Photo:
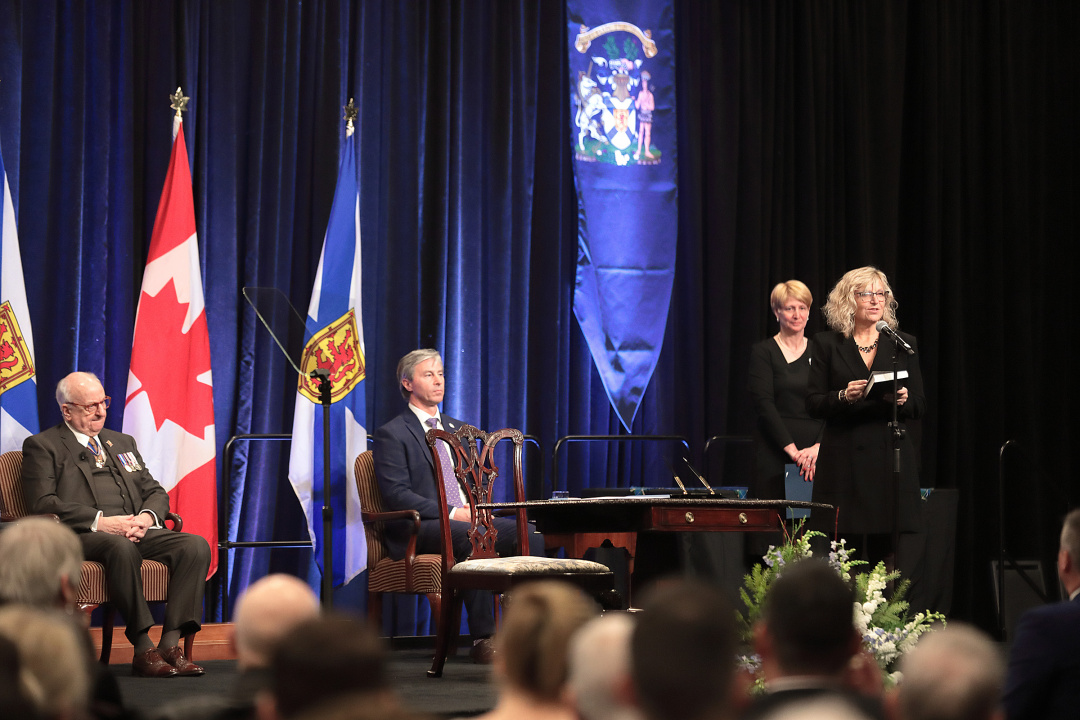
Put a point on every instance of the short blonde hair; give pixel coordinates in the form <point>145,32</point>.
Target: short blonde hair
<point>534,639</point>
<point>839,309</point>
<point>792,288</point>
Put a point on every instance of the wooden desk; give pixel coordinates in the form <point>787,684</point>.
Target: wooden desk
<point>580,524</point>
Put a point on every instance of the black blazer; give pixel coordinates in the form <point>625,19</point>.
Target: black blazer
<point>405,472</point>
<point>854,467</point>
<point>57,473</point>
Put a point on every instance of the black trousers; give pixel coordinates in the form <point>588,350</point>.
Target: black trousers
<point>188,559</point>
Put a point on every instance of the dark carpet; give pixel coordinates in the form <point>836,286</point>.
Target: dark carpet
<point>464,689</point>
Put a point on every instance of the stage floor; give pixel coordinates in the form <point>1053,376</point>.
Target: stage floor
<point>464,689</point>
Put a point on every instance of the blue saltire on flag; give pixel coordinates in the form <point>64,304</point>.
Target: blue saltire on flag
<point>622,66</point>
<point>335,326</point>
<point>18,378</point>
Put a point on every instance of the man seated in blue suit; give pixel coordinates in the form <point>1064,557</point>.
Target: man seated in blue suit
<point>1043,680</point>
<point>405,471</point>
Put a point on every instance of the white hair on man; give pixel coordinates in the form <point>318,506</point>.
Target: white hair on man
<point>956,673</point>
<point>42,563</point>
<point>599,683</point>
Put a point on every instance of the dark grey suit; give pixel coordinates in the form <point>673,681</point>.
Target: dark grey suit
<point>406,475</point>
<point>57,476</point>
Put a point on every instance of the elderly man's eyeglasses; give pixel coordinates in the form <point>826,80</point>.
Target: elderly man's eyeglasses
<point>868,295</point>
<point>92,407</point>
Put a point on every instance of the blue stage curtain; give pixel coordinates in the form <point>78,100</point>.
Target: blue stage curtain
<point>934,140</point>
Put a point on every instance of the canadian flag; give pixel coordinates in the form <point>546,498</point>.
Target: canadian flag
<point>169,408</point>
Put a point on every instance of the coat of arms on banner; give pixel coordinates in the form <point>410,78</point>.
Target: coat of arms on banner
<point>335,348</point>
<point>613,99</point>
<point>16,365</point>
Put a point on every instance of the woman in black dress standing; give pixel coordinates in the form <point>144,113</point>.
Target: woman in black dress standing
<point>779,371</point>
<point>855,465</point>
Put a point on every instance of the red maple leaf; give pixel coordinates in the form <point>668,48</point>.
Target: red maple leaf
<point>166,362</point>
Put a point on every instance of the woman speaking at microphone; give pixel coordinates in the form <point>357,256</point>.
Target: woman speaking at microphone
<point>855,460</point>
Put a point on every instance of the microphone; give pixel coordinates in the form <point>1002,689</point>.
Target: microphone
<point>698,475</point>
<point>883,327</point>
<point>82,456</point>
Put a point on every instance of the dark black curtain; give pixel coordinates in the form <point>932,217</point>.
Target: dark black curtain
<point>934,140</point>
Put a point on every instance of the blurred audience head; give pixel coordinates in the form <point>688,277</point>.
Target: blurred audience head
<point>12,698</point>
<point>42,563</point>
<point>807,624</point>
<point>383,706</point>
<point>825,707</point>
<point>321,660</point>
<point>599,685</point>
<point>1069,552</point>
<point>268,609</point>
<point>955,673</point>
<point>53,666</point>
<point>531,646</point>
<point>683,651</point>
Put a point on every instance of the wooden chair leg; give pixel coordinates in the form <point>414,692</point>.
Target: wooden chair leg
<point>445,627</point>
<point>435,601</point>
<point>108,619</point>
<point>374,610</point>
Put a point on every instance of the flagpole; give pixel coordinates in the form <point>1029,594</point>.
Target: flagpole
<point>322,377</point>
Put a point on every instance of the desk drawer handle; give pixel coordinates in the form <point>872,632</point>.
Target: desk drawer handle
<point>743,519</point>
<point>689,517</point>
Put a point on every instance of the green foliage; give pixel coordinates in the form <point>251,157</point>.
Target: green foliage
<point>886,628</point>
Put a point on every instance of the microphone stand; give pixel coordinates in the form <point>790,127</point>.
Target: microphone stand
<point>897,436</point>
<point>322,376</point>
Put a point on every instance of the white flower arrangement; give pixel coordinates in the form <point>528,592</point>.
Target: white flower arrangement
<point>886,630</point>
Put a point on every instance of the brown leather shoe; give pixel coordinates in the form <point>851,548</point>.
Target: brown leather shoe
<point>175,657</point>
<point>151,664</point>
<point>483,652</point>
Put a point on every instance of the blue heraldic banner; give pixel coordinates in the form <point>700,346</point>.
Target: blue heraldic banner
<point>622,67</point>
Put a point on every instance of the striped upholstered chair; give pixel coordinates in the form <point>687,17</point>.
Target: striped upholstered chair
<point>414,574</point>
<point>92,589</point>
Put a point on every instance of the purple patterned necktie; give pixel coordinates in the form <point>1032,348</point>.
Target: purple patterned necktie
<point>450,484</point>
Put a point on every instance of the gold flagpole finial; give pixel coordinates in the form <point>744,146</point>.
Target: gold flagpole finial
<point>351,113</point>
<point>179,102</point>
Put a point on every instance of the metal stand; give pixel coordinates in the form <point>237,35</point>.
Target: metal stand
<point>1003,556</point>
<point>322,377</point>
<point>897,437</point>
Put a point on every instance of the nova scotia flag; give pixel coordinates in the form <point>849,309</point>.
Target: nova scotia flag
<point>18,379</point>
<point>336,345</point>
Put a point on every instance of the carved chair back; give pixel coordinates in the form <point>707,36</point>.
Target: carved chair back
<point>472,453</point>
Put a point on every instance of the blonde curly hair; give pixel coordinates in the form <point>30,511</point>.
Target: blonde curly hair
<point>839,308</point>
